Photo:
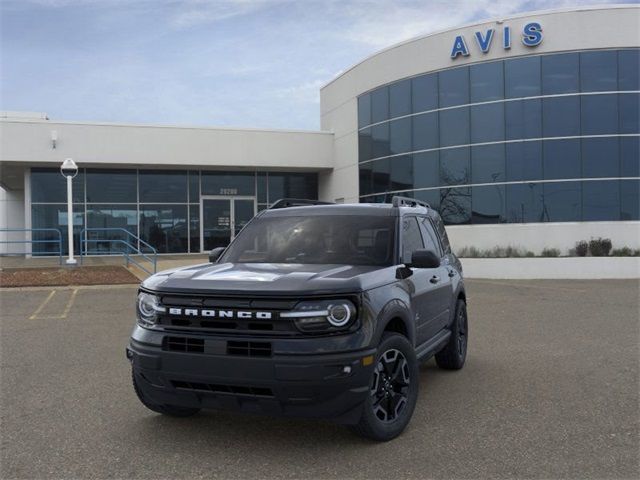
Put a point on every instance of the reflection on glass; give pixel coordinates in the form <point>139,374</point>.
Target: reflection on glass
<point>524,203</point>
<point>561,116</point>
<point>599,114</point>
<point>228,183</point>
<point>365,145</point>
<point>488,204</point>
<point>365,179</point>
<point>487,123</point>
<point>381,175</point>
<point>53,216</point>
<point>454,87</point>
<point>560,73</point>
<point>599,71</point>
<point>487,164</point>
<point>523,119</point>
<point>292,185</point>
<point>432,197</point>
<point>426,169</point>
<point>562,202</point>
<point>112,186</point>
<point>400,99</point>
<point>455,205</point>
<point>454,127</point>
<point>600,200</point>
<point>400,135</point>
<point>216,223</point>
<point>163,186</point>
<point>524,161</point>
<point>425,131</point>
<point>454,166</point>
<point>380,140</point>
<point>561,159</point>
<point>629,69</point>
<point>194,186</point>
<point>402,173</point>
<point>600,157</point>
<point>380,105</point>
<point>630,200</point>
<point>522,77</point>
<point>115,218</point>
<point>364,110</point>
<point>424,92</point>
<point>194,227</point>
<point>487,82</point>
<point>49,186</point>
<point>630,156</point>
<point>165,227</point>
<point>629,112</point>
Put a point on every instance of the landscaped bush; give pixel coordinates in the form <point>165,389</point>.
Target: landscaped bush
<point>550,252</point>
<point>582,248</point>
<point>600,247</point>
<point>625,252</point>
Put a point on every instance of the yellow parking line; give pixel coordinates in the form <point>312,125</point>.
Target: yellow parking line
<point>42,305</point>
<point>69,303</point>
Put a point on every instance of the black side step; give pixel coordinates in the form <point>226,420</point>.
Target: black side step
<point>430,348</point>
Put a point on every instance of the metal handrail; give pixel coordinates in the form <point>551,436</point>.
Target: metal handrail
<point>151,257</point>
<point>31,241</point>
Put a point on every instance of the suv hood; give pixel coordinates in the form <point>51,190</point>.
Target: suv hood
<point>270,279</point>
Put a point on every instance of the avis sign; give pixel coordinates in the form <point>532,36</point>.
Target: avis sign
<point>531,36</point>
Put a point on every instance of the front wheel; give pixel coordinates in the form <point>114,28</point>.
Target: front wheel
<point>393,390</point>
<point>453,355</point>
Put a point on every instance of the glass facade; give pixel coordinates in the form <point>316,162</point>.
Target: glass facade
<point>162,207</point>
<point>543,138</point>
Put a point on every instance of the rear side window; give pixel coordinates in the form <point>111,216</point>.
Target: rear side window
<point>429,236</point>
<point>442,233</point>
<point>411,238</point>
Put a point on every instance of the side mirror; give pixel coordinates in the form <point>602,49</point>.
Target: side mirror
<point>214,254</point>
<point>424,259</point>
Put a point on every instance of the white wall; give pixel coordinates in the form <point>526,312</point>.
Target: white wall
<point>537,236</point>
<point>11,216</point>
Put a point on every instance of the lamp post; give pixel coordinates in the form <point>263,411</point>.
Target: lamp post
<point>69,169</point>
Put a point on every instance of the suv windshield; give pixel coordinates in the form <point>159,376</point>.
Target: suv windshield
<point>342,239</point>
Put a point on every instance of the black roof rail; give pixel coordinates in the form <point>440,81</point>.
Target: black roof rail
<point>398,201</point>
<point>296,202</point>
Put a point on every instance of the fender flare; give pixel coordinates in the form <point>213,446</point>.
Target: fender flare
<point>395,309</point>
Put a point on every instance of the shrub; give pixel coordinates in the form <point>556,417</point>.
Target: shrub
<point>582,248</point>
<point>550,252</point>
<point>529,253</point>
<point>600,247</point>
<point>625,252</point>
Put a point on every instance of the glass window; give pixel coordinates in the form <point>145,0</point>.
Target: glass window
<point>380,140</point>
<point>53,216</point>
<point>261,186</point>
<point>380,105</point>
<point>228,183</point>
<point>562,202</point>
<point>194,227</point>
<point>381,171</point>
<point>455,205</point>
<point>488,204</point>
<point>599,114</point>
<point>454,127</point>
<point>601,200</point>
<point>402,173</point>
<point>629,200</point>
<point>365,145</point>
<point>293,185</point>
<point>600,157</point>
<point>524,161</point>
<point>454,166</point>
<point>432,197</point>
<point>424,92</point>
<point>523,119</point>
<point>629,112</point>
<point>630,156</point>
<point>365,175</point>
<point>561,159</point>
<point>194,186</point>
<point>400,99</point>
<point>561,116</point>
<point>425,131</point>
<point>165,227</point>
<point>560,73</point>
<point>116,218</point>
<point>426,169</point>
<point>454,87</point>
<point>487,82</point>
<point>599,71</point>
<point>522,77</point>
<point>364,110</point>
<point>400,135</point>
<point>429,236</point>
<point>442,233</point>
<point>48,185</point>
<point>163,186</point>
<point>487,164</point>
<point>487,123</point>
<point>112,186</point>
<point>629,70</point>
<point>411,238</point>
<point>524,202</point>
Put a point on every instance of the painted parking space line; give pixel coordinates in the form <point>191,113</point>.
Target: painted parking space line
<point>37,315</point>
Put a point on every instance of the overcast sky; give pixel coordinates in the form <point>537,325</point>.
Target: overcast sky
<point>248,63</point>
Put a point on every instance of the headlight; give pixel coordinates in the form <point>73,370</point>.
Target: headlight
<point>148,307</point>
<point>323,315</point>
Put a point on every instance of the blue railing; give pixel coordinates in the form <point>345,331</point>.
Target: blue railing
<point>132,247</point>
<point>57,241</point>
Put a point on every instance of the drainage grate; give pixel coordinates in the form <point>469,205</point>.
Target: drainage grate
<point>249,349</point>
<point>184,344</point>
<point>215,388</point>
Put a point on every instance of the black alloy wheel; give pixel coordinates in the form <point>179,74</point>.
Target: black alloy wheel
<point>390,387</point>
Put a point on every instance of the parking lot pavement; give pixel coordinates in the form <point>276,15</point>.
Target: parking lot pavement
<point>550,389</point>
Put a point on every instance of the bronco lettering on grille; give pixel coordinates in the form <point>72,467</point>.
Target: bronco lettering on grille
<point>240,314</point>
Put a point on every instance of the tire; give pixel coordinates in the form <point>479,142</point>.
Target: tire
<point>169,410</point>
<point>454,354</point>
<point>393,390</point>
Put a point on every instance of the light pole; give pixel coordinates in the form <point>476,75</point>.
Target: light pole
<point>69,169</point>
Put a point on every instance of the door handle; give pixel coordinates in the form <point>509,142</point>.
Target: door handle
<point>452,273</point>
<point>435,279</point>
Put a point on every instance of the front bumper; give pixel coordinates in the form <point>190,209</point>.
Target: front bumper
<point>330,386</point>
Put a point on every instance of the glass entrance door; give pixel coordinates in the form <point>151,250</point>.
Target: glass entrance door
<point>222,218</point>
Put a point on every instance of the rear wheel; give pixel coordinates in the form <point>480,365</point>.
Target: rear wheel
<point>393,390</point>
<point>454,354</point>
<point>170,410</point>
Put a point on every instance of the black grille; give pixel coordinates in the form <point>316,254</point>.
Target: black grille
<point>184,344</point>
<point>215,388</point>
<point>249,349</point>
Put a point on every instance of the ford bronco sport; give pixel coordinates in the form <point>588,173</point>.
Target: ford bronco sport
<point>313,310</point>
